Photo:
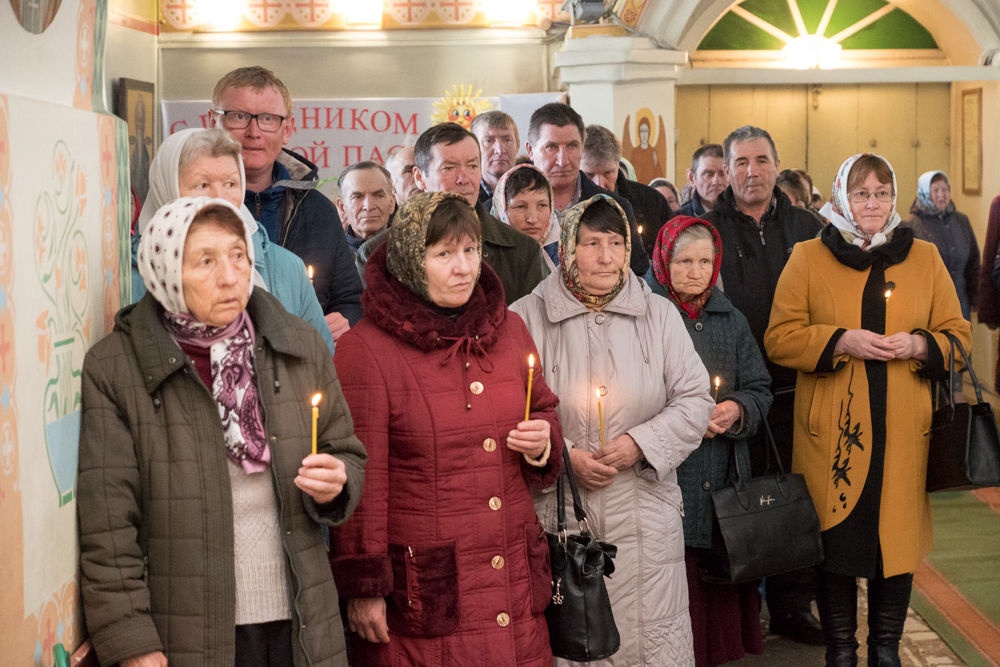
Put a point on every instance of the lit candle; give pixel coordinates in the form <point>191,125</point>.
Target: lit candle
<point>310,270</point>
<point>600,416</point>
<point>315,402</point>
<point>718,381</point>
<point>888,293</point>
<point>640,229</point>
<point>531,375</point>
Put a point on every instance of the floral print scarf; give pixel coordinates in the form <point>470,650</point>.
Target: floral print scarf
<point>666,241</point>
<point>567,254</point>
<point>161,260</point>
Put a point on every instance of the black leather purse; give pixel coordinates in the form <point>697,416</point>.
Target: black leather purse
<point>581,625</point>
<point>965,443</point>
<point>761,526</point>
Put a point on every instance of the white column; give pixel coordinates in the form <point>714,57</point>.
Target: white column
<point>611,78</point>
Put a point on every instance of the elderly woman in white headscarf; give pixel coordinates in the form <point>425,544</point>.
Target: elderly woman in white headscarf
<point>198,163</point>
<point>935,220</point>
<point>199,501</point>
<point>863,313</point>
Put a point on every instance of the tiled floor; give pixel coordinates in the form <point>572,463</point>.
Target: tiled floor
<point>921,646</point>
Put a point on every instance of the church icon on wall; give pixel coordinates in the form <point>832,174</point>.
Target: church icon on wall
<point>647,148</point>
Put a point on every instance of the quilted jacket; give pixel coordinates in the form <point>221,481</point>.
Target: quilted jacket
<point>722,338</point>
<point>446,530</point>
<point>655,390</point>
<point>154,499</point>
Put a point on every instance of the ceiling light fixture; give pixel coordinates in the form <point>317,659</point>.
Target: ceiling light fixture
<point>812,52</point>
<point>363,14</point>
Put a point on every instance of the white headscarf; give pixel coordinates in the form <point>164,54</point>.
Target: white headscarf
<point>161,250</point>
<point>838,209</point>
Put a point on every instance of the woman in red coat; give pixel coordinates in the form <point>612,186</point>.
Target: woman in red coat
<point>444,561</point>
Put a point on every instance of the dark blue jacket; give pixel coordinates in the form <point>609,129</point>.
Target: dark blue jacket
<point>722,338</point>
<point>306,222</point>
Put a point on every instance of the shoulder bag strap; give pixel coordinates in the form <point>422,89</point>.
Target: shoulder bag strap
<point>956,343</point>
<point>581,516</point>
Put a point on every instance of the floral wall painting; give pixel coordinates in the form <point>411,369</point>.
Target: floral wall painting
<point>647,149</point>
<point>64,321</point>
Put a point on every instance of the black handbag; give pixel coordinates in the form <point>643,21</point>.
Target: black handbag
<point>581,625</point>
<point>761,526</point>
<point>965,443</point>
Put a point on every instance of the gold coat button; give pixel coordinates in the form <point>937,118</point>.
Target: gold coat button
<point>497,562</point>
<point>476,388</point>
<point>489,444</point>
<point>503,620</point>
<point>495,503</point>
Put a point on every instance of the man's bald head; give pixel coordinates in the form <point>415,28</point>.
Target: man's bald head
<point>400,165</point>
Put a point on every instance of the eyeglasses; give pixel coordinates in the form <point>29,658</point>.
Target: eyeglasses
<point>862,197</point>
<point>240,120</point>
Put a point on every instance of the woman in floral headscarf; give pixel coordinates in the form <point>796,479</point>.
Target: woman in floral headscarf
<point>603,336</point>
<point>725,619</point>
<point>523,200</point>
<point>444,562</point>
<point>199,501</point>
<point>862,313</point>
<point>935,220</point>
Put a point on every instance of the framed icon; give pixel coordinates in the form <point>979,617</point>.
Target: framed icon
<point>136,107</point>
<point>972,141</point>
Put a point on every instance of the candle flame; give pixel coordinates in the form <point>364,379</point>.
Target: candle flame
<point>531,361</point>
<point>310,270</point>
<point>316,399</point>
<point>598,394</point>
<point>718,381</point>
<point>888,293</point>
<point>640,229</point>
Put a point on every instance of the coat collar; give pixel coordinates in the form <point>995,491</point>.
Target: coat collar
<point>159,357</point>
<point>492,229</point>
<point>561,305</point>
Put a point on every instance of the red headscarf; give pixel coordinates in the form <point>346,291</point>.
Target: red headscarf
<point>665,242</point>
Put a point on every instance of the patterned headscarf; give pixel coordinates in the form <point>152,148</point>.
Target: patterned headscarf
<point>923,204</point>
<point>664,250</point>
<point>500,209</point>
<point>567,253</point>
<point>838,209</point>
<point>408,239</point>
<point>161,261</point>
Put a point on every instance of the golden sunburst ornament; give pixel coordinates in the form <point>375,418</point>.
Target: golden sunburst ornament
<point>459,106</point>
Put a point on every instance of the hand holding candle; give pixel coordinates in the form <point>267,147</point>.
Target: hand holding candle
<point>315,416</point>
<point>600,417</point>
<point>531,375</point>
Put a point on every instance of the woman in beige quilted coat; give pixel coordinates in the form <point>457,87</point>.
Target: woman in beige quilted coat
<point>598,328</point>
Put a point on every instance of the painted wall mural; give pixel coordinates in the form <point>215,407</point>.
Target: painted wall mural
<point>647,149</point>
<point>63,275</point>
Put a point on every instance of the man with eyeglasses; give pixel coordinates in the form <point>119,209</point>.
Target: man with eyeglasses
<point>255,107</point>
<point>759,226</point>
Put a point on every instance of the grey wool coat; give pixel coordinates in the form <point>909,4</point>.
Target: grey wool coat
<point>656,391</point>
<point>723,340</point>
<point>154,498</point>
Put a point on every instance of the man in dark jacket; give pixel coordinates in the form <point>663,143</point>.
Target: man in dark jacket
<point>555,145</point>
<point>498,141</point>
<point>708,176</point>
<point>759,226</point>
<point>602,153</point>
<point>448,160</point>
<point>255,107</point>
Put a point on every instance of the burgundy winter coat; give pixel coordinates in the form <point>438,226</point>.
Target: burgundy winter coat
<point>446,529</point>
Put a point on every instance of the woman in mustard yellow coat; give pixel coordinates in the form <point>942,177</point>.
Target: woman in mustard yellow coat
<point>861,313</point>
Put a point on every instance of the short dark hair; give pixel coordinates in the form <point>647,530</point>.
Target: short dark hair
<point>708,150</point>
<point>448,134</point>
<point>602,145</point>
<point>452,219</point>
<point>554,113</point>
<point>365,166</point>
<point>792,179</point>
<point>221,216</point>
<point>496,120</point>
<point>526,179</point>
<point>602,217</point>
<point>746,133</point>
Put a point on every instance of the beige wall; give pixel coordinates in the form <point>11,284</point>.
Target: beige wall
<point>977,207</point>
<point>343,70</point>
